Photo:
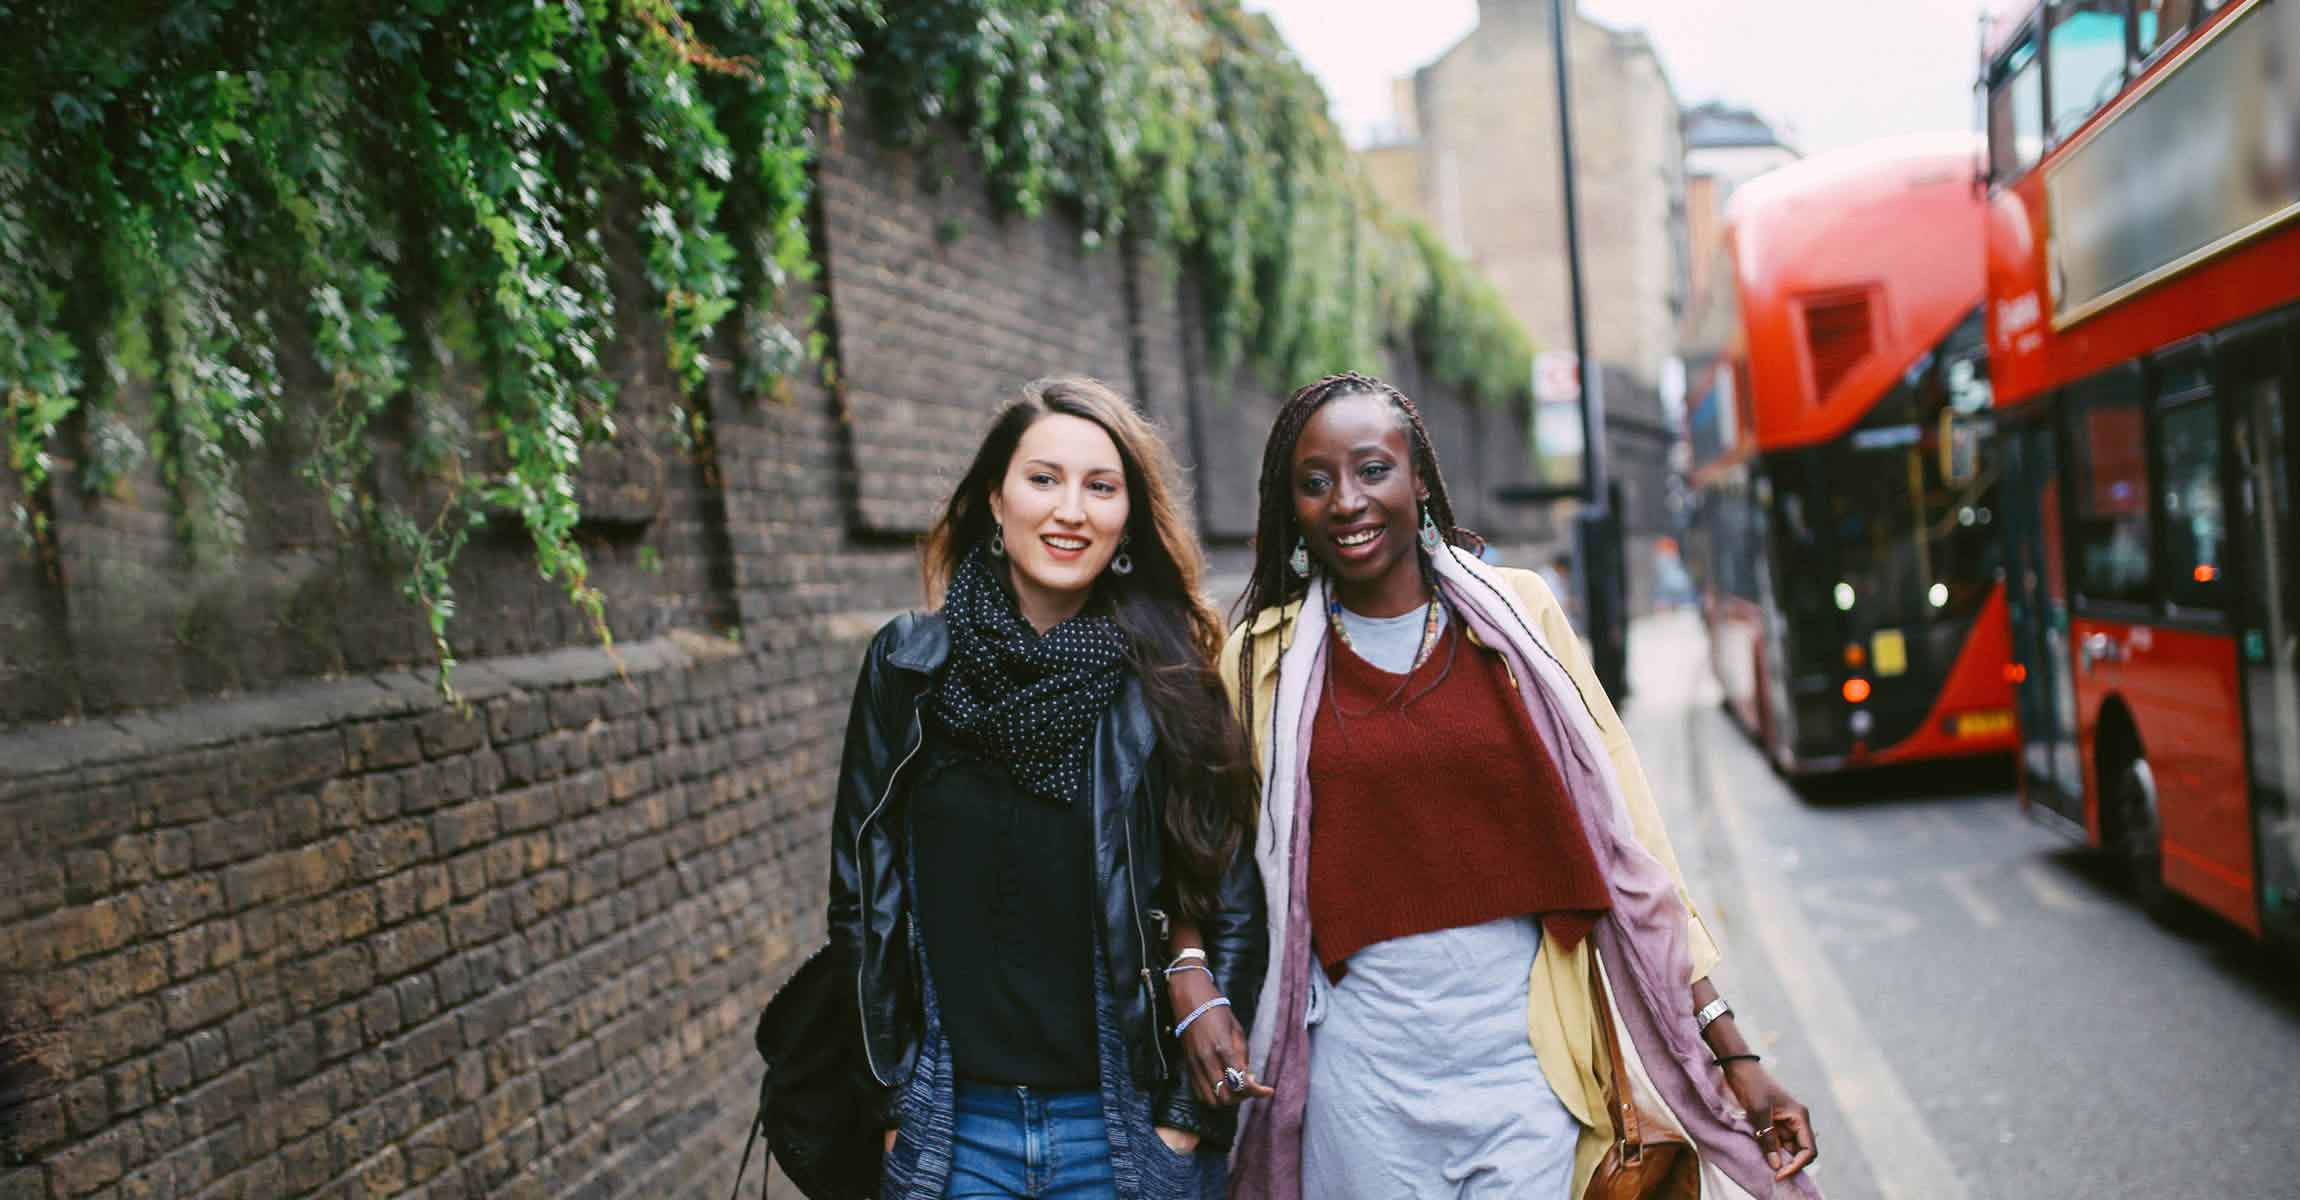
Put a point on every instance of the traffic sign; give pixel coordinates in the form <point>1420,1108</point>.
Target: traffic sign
<point>1556,377</point>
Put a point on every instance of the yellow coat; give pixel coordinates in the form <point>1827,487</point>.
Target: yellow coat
<point>1560,1021</point>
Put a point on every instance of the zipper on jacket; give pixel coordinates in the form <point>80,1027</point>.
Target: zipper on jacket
<point>1134,908</point>
<point>862,1009</point>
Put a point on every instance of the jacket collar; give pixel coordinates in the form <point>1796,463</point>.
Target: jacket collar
<point>1269,618</point>
<point>922,647</point>
<point>1274,625</point>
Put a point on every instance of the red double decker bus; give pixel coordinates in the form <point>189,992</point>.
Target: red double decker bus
<point>2143,335</point>
<point>1843,505</point>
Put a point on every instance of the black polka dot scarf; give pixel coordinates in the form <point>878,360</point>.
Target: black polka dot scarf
<point>1026,699</point>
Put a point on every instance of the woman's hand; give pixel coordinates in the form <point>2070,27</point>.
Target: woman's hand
<point>1180,1141</point>
<point>1784,1128</point>
<point>1213,1043</point>
<point>890,1139</point>
<point>1214,1046</point>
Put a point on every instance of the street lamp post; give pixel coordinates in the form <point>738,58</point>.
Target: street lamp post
<point>1596,528</point>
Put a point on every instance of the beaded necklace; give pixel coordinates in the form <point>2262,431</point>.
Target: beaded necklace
<point>1421,655</point>
<point>1429,629</point>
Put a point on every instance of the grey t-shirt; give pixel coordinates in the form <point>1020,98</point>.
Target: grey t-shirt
<point>1388,642</point>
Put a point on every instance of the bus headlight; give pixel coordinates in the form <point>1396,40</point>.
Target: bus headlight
<point>1844,595</point>
<point>1939,595</point>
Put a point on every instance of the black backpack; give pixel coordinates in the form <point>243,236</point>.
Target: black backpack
<point>818,1105</point>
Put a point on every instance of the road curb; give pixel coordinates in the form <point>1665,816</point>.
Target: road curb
<point>1907,1162</point>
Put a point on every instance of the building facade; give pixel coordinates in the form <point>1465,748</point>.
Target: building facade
<point>1473,152</point>
<point>1725,147</point>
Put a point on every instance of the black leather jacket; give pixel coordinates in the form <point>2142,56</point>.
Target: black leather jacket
<point>870,902</point>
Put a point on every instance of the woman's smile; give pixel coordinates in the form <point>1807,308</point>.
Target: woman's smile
<point>1358,544</point>
<point>1065,548</point>
<point>1357,502</point>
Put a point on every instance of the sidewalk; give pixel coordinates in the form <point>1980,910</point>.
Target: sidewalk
<point>1669,679</point>
<point>1691,753</point>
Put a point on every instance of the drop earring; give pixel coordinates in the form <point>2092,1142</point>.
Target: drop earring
<point>1432,542</point>
<point>997,540</point>
<point>1300,559</point>
<point>1124,563</point>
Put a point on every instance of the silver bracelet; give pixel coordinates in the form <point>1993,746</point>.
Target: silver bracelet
<point>1710,1012</point>
<point>1187,954</point>
<point>1180,967</point>
<point>1200,1011</point>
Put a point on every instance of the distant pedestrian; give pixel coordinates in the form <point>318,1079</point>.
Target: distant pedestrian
<point>1557,572</point>
<point>1036,774</point>
<point>1672,582</point>
<point>1482,839</point>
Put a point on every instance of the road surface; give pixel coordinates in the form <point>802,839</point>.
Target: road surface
<point>1968,1004</point>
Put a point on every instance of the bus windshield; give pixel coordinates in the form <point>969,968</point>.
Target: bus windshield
<point>1889,524</point>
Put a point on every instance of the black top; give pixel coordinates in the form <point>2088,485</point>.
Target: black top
<point>1006,915</point>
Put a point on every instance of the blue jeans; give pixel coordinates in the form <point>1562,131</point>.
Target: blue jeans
<point>1015,1142</point>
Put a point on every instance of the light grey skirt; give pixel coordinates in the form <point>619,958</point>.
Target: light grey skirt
<point>1423,1082</point>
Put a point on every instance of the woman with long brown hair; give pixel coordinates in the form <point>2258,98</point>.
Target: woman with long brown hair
<point>1483,876</point>
<point>1038,775</point>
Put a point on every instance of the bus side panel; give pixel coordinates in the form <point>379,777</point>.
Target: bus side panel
<point>1974,713</point>
<point>2181,689</point>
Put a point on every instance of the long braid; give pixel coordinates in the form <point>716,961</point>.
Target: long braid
<point>1272,584</point>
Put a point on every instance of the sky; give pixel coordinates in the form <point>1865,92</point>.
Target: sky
<point>1828,73</point>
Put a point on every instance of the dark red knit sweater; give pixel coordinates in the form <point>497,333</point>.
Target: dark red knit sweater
<point>1446,812</point>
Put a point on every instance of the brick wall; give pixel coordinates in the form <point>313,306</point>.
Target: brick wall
<point>280,920</point>
<point>942,307</point>
<point>344,939</point>
<point>149,617</point>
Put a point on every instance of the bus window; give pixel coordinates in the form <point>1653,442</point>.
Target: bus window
<point>2159,23</point>
<point>2111,527</point>
<point>2182,376</point>
<point>2016,113</point>
<point>2195,524</point>
<point>2087,49</point>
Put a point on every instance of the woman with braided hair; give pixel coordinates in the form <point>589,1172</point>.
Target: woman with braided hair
<point>1456,841</point>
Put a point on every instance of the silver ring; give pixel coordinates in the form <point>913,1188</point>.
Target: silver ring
<point>1234,1077</point>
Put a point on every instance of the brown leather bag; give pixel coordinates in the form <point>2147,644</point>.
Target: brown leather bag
<point>1645,1162</point>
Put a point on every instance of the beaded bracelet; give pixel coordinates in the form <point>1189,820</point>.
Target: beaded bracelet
<point>1201,1010</point>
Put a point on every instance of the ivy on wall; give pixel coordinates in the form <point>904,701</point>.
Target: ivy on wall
<point>417,196</point>
<point>1193,125</point>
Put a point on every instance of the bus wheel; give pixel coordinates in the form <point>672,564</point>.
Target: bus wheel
<point>2140,839</point>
